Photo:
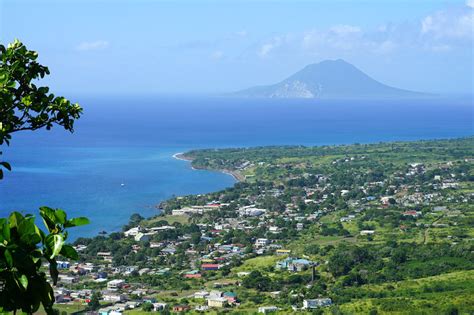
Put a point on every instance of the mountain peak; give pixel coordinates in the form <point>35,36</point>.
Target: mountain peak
<point>328,79</point>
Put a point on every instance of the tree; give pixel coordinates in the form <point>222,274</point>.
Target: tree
<point>94,303</point>
<point>23,249</point>
<point>147,307</point>
<point>23,246</point>
<point>23,105</point>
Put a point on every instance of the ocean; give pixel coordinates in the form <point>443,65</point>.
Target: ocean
<point>119,160</point>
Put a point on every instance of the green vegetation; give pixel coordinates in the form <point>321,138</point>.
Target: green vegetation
<point>23,246</point>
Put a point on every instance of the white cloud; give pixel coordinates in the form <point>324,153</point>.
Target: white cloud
<point>450,24</point>
<point>242,33</point>
<point>267,47</point>
<point>442,31</point>
<point>217,55</point>
<point>345,30</point>
<point>94,45</point>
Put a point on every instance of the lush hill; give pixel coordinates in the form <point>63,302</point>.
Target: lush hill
<point>329,79</point>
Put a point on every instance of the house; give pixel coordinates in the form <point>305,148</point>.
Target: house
<point>412,213</point>
<point>115,284</point>
<point>217,302</point>
<point>201,308</point>
<point>231,297</point>
<point>193,274</point>
<point>133,231</point>
<point>106,256</point>
<point>274,229</point>
<point>181,308</point>
<point>315,303</point>
<point>281,252</point>
<point>110,310</point>
<point>157,307</point>
<point>215,294</point>
<point>293,264</point>
<point>267,309</point>
<point>113,297</point>
<point>201,294</point>
<point>63,264</point>
<point>144,237</point>
<point>210,266</point>
<point>68,279</point>
<point>261,242</point>
<point>170,250</point>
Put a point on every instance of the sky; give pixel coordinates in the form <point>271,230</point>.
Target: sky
<point>208,47</point>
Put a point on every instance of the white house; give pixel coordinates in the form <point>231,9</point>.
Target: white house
<point>315,303</point>
<point>267,309</point>
<point>115,284</point>
<point>261,242</point>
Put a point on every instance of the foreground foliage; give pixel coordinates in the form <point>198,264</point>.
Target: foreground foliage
<point>24,247</point>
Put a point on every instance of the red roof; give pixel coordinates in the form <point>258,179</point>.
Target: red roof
<point>210,266</point>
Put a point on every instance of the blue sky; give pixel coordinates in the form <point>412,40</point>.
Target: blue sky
<point>138,46</point>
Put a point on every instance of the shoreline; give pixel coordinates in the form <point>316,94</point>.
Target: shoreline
<point>236,175</point>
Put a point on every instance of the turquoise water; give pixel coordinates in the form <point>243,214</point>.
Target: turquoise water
<point>131,141</point>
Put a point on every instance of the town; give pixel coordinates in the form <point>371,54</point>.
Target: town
<point>305,230</point>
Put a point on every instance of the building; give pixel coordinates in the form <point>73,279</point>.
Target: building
<point>217,302</point>
<point>210,267</point>
<point>115,284</point>
<point>157,307</point>
<point>281,252</point>
<point>133,231</point>
<point>261,242</point>
<point>315,303</point>
<point>231,297</point>
<point>114,297</point>
<point>412,213</point>
<point>201,294</point>
<point>267,309</point>
<point>293,264</point>
<point>68,279</point>
<point>181,308</point>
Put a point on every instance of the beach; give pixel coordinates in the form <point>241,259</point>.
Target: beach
<point>236,175</point>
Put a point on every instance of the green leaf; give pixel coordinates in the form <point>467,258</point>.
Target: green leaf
<point>24,281</point>
<point>69,252</point>
<point>55,243</point>
<point>60,216</point>
<point>15,219</point>
<point>8,258</point>
<point>49,218</point>
<point>77,222</point>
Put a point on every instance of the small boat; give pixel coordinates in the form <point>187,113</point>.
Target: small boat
<point>122,184</point>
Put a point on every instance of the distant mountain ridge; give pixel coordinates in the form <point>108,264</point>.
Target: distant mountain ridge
<point>329,79</point>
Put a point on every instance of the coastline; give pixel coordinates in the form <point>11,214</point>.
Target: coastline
<point>236,175</point>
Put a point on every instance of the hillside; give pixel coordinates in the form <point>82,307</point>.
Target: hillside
<point>387,227</point>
